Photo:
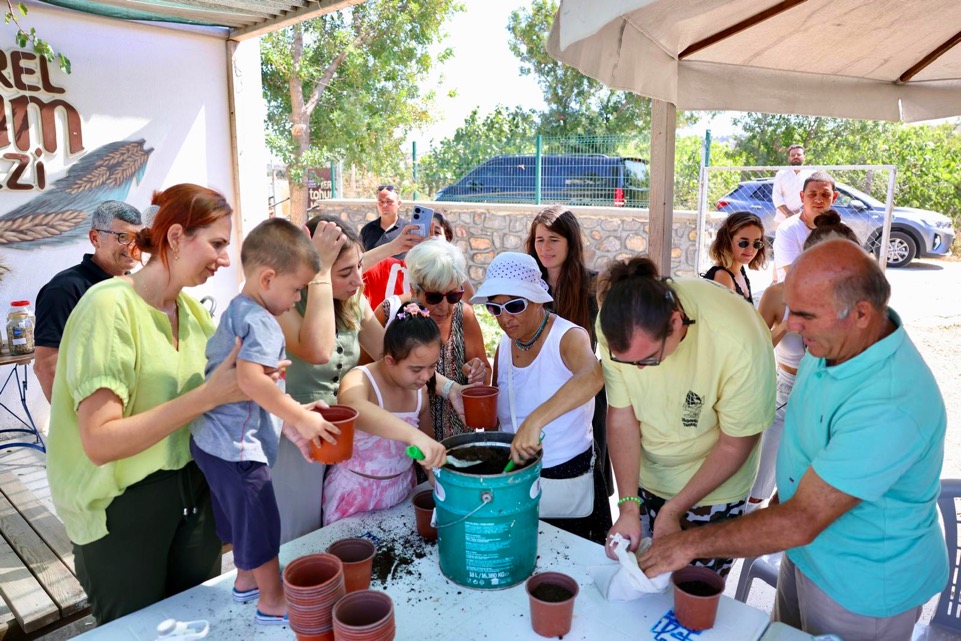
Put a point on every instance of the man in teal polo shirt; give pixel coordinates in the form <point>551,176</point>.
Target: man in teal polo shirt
<point>858,469</point>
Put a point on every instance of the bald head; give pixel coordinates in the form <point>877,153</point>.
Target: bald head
<point>852,274</point>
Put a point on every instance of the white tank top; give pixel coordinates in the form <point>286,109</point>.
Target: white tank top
<point>790,350</point>
<point>569,434</point>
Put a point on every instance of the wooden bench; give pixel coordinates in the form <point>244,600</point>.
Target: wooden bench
<point>38,581</point>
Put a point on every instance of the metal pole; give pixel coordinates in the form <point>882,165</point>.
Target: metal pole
<point>333,180</point>
<point>413,155</point>
<point>537,170</point>
<point>888,210</point>
<point>707,149</point>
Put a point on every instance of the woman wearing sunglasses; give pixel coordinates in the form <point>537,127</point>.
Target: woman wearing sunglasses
<point>547,375</point>
<point>437,274</point>
<point>739,244</point>
<point>689,374</point>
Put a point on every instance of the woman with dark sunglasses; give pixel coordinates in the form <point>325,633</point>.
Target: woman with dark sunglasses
<point>548,376</point>
<point>739,244</point>
<point>689,375</point>
<point>437,274</point>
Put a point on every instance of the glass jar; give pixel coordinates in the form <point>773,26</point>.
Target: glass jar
<point>20,323</point>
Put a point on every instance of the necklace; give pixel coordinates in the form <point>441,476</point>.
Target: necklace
<point>526,346</point>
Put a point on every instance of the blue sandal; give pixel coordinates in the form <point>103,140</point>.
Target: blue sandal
<point>271,619</point>
<point>244,597</point>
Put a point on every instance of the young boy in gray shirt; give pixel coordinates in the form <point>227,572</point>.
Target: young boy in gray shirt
<point>235,444</point>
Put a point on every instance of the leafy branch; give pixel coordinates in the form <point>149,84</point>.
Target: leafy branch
<point>23,37</point>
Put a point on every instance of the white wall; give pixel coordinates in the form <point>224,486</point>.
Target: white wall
<point>131,81</point>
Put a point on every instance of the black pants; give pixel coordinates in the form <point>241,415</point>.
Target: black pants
<point>152,550</point>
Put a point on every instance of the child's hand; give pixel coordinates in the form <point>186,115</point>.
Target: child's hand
<point>435,454</point>
<point>313,427</point>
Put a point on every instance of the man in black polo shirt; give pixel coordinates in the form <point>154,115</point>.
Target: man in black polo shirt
<point>389,225</point>
<point>112,229</point>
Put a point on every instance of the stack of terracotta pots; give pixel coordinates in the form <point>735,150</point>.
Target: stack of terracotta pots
<point>365,615</point>
<point>312,585</point>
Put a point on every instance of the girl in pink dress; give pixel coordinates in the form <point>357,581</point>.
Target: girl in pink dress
<point>391,397</point>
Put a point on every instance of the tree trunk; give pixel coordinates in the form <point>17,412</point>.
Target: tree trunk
<point>300,131</point>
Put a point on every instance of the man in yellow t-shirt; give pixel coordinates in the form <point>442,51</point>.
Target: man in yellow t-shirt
<point>690,379</point>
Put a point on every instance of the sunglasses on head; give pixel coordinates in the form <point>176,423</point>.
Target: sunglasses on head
<point>744,242</point>
<point>381,188</point>
<point>434,298</point>
<point>513,307</point>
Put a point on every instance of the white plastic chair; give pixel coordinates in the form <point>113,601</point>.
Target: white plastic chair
<point>765,567</point>
<point>948,613</point>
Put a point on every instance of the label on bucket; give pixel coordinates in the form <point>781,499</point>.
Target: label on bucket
<point>535,488</point>
<point>487,547</point>
<point>439,491</point>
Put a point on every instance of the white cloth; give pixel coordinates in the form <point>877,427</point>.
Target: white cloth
<point>788,244</point>
<point>625,581</point>
<point>570,433</point>
<point>787,189</point>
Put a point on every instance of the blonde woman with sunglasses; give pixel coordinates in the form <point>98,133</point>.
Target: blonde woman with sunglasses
<point>437,275</point>
<point>739,244</point>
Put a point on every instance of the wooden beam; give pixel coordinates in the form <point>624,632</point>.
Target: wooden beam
<point>225,19</point>
<point>946,46</point>
<point>32,607</point>
<point>309,11</point>
<point>47,526</point>
<point>735,29</point>
<point>6,618</point>
<point>661,209</point>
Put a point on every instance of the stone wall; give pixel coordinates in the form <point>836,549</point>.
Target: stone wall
<point>484,229</point>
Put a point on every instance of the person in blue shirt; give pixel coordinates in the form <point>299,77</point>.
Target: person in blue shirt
<point>858,469</point>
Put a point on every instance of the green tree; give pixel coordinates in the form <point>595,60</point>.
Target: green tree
<point>504,131</point>
<point>23,37</point>
<point>345,86</point>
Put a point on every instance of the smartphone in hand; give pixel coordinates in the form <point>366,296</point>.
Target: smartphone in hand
<point>422,217</point>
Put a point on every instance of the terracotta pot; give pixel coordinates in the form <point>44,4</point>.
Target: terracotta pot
<point>423,510</point>
<point>357,555</point>
<point>326,636</point>
<point>312,584</point>
<point>697,592</point>
<point>480,407</point>
<point>364,616</point>
<point>552,597</point>
<point>343,418</point>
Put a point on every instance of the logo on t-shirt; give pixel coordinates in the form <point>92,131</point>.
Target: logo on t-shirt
<point>692,410</point>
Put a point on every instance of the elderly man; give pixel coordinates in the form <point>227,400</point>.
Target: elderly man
<point>817,196</point>
<point>788,184</point>
<point>389,225</point>
<point>112,229</point>
<point>858,469</point>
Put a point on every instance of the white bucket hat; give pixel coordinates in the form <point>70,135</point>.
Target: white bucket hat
<point>513,274</point>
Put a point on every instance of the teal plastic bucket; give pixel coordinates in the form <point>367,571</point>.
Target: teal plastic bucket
<point>487,524</point>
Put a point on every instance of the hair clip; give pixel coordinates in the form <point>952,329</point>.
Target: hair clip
<point>412,309</point>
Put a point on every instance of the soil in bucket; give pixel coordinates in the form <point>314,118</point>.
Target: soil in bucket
<point>480,407</point>
<point>552,603</point>
<point>492,459</point>
<point>697,592</point>
<point>343,418</point>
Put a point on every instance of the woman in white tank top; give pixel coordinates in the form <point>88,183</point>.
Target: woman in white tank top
<point>547,375</point>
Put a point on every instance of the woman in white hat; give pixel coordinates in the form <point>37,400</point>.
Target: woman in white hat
<point>548,375</point>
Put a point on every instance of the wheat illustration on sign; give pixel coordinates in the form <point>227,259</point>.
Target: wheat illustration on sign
<point>61,213</point>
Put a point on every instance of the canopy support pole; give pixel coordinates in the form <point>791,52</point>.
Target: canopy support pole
<point>661,216</point>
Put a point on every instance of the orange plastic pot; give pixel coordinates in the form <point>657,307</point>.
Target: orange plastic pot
<point>343,417</point>
<point>480,407</point>
<point>357,555</point>
<point>697,592</point>
<point>552,597</point>
<point>423,511</point>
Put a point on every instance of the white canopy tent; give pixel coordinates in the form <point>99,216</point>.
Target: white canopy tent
<point>866,59</point>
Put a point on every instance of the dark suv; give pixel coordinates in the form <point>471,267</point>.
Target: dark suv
<point>569,179</point>
<point>914,232</point>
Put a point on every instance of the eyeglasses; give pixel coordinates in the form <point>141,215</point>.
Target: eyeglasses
<point>381,188</point>
<point>123,237</point>
<point>744,242</point>
<point>650,361</point>
<point>434,298</point>
<point>513,307</point>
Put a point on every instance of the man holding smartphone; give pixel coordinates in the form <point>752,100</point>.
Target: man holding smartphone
<point>389,225</point>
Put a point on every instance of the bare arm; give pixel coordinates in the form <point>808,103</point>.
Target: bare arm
<point>771,309</point>
<point>255,381</point>
<point>797,522</point>
<point>474,345</point>
<point>586,382</point>
<point>404,242</point>
<point>725,458</point>
<point>371,334</point>
<point>624,447</point>
<point>106,435</point>
<point>355,391</point>
<point>44,366</point>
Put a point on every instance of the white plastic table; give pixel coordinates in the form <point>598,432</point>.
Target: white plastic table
<point>430,607</point>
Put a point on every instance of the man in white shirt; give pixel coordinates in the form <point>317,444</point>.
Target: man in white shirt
<point>817,196</point>
<point>788,184</point>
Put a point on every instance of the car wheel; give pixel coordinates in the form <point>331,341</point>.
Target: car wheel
<point>901,249</point>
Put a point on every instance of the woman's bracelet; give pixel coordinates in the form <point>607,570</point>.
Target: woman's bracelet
<point>445,390</point>
<point>635,499</point>
<point>319,282</point>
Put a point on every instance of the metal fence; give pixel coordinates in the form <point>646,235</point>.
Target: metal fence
<point>865,203</point>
